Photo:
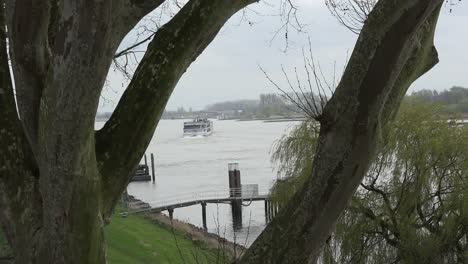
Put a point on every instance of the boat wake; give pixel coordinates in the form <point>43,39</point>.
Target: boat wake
<point>195,137</point>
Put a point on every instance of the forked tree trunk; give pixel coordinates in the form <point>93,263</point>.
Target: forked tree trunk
<point>59,179</point>
<point>394,48</point>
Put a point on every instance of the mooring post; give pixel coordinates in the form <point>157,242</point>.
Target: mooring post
<point>171,213</point>
<point>270,210</point>
<point>266,211</point>
<point>234,180</point>
<point>146,161</point>
<point>152,168</point>
<point>205,226</point>
<point>235,191</point>
<point>125,198</point>
<point>236,210</point>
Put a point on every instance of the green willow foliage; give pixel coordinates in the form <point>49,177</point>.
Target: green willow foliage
<point>412,207</point>
<point>293,155</point>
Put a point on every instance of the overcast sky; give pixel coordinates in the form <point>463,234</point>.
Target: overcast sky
<point>229,67</point>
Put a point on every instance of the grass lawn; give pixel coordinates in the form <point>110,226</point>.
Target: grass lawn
<point>139,240</point>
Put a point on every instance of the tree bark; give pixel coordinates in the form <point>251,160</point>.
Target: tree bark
<point>20,204</point>
<point>394,48</point>
<point>30,58</point>
<point>59,180</point>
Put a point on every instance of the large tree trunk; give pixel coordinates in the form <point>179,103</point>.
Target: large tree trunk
<point>394,48</point>
<point>59,68</point>
<point>59,179</point>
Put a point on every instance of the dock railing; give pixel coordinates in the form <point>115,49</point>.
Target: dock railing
<point>246,192</point>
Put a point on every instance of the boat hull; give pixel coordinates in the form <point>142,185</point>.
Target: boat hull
<point>198,134</point>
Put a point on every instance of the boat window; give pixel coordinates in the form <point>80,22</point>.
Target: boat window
<point>191,127</point>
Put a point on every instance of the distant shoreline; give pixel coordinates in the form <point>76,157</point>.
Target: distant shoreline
<point>265,119</point>
<point>275,119</point>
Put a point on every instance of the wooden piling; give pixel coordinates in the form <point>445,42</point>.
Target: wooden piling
<point>235,191</point>
<point>205,226</point>
<point>171,213</point>
<point>270,210</point>
<point>234,180</point>
<point>236,210</point>
<point>146,161</point>
<point>152,168</point>
<point>266,211</point>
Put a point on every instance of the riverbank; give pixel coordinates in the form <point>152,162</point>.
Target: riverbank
<point>211,241</point>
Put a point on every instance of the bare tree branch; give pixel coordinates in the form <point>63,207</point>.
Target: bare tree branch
<point>351,13</point>
<point>127,59</point>
<point>313,101</point>
<point>130,48</point>
<point>134,10</point>
<point>288,12</point>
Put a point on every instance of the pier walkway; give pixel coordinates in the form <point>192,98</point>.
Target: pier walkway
<point>204,197</point>
<point>237,197</point>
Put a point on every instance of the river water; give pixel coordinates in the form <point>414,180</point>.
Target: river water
<point>197,165</point>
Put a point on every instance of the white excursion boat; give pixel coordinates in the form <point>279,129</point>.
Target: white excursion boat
<point>198,127</point>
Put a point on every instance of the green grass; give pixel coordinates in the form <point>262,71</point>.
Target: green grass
<point>139,240</point>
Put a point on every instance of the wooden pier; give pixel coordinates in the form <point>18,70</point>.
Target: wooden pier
<point>202,202</point>
<point>237,195</point>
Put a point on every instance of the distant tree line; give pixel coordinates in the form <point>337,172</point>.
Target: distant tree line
<point>246,104</point>
<point>268,105</point>
<point>453,101</point>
